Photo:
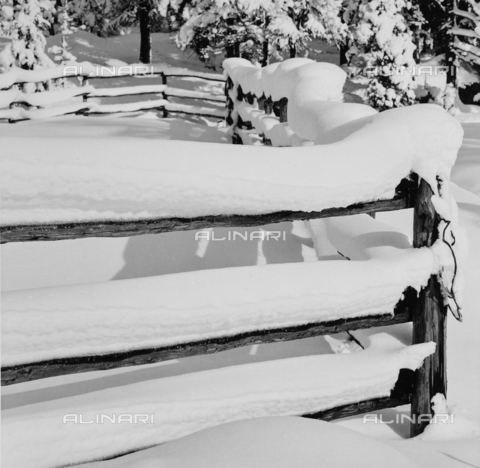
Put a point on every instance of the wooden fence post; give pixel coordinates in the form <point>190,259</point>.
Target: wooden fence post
<point>84,83</point>
<point>250,98</point>
<point>429,319</point>
<point>261,102</point>
<point>240,93</point>
<point>268,106</point>
<point>229,102</point>
<point>230,107</point>
<point>164,95</point>
<point>283,109</point>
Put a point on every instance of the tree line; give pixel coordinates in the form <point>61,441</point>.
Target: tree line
<point>376,38</point>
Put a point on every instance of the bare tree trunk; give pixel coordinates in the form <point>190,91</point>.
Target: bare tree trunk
<point>145,28</point>
<point>233,50</point>
<point>450,53</point>
<point>293,49</point>
<point>343,54</point>
<point>230,50</point>
<point>265,53</point>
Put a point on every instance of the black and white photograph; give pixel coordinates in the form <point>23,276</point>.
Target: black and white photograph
<point>240,233</point>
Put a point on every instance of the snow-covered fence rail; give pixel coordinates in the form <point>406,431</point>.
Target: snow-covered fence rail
<point>394,160</point>
<point>51,231</point>
<point>17,106</point>
<point>87,70</point>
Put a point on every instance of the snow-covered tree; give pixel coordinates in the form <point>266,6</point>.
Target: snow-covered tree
<point>23,21</point>
<point>436,25</point>
<point>381,46</point>
<point>294,23</point>
<point>466,31</point>
<point>62,56</point>
<point>214,27</point>
<point>257,29</point>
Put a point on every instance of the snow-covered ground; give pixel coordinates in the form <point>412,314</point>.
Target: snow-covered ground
<point>262,442</point>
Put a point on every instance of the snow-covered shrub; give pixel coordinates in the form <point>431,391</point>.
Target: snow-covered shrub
<point>381,47</point>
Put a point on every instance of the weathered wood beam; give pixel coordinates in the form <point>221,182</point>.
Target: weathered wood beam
<point>401,395</point>
<point>240,93</point>
<point>280,109</point>
<point>62,231</point>
<point>429,320</point>
<point>186,112</point>
<point>213,98</point>
<point>207,77</point>
<point>55,367</point>
<point>268,106</point>
<point>249,98</point>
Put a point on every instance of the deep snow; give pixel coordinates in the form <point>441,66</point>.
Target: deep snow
<point>184,404</point>
<point>263,442</point>
<point>125,178</point>
<point>100,259</point>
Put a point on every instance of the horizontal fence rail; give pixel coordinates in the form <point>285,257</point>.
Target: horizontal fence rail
<point>55,367</point>
<point>403,199</point>
<point>86,70</point>
<point>402,394</point>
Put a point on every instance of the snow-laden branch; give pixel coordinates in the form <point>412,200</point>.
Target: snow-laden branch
<point>475,6</point>
<point>467,47</point>
<point>467,14</point>
<point>465,32</point>
<point>468,56</point>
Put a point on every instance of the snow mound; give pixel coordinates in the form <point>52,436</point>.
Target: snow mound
<point>268,443</point>
<point>180,405</point>
<point>466,172</point>
<point>446,425</point>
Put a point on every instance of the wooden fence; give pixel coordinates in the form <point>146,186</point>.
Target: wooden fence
<point>426,310</point>
<point>162,92</point>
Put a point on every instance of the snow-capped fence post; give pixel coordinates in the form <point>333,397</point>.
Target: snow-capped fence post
<point>268,105</point>
<point>234,95</point>
<point>282,109</point>
<point>164,96</point>
<point>261,102</point>
<point>429,319</point>
<point>229,104</point>
<point>240,94</point>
